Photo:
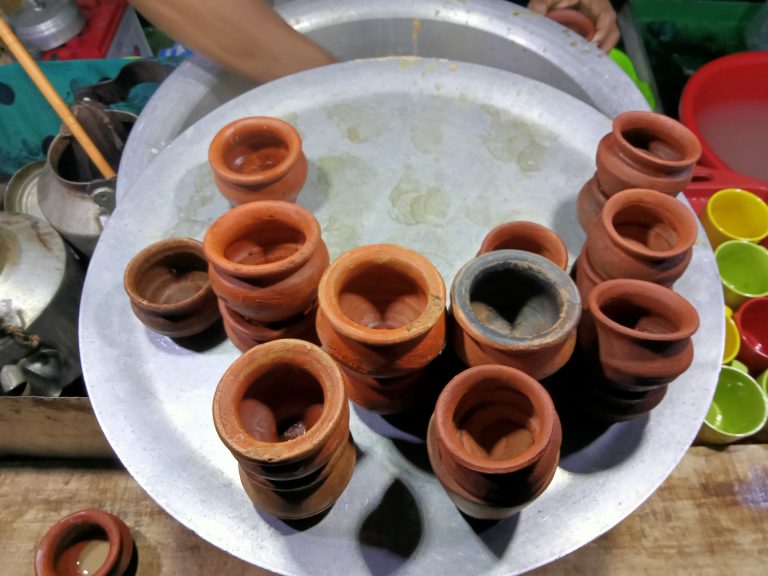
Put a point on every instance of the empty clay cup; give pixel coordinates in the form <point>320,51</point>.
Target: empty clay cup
<point>732,340</point>
<point>169,288</point>
<point>752,323</point>
<point>517,309</point>
<point>494,441</point>
<point>528,237</point>
<point>85,542</point>
<point>739,409</point>
<point>734,214</point>
<point>743,271</point>
<point>258,158</point>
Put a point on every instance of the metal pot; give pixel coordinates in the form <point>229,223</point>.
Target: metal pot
<point>77,207</point>
<point>40,286</point>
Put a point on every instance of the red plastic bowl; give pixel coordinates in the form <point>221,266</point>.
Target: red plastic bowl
<point>752,321</point>
<point>725,103</point>
<point>707,181</point>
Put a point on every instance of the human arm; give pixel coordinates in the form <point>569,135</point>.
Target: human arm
<point>245,36</point>
<point>600,11</point>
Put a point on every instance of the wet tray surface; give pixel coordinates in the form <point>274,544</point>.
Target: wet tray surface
<point>428,154</point>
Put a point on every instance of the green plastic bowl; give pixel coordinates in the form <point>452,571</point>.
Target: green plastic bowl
<point>739,409</point>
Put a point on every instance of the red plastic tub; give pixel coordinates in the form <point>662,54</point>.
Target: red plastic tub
<point>725,103</point>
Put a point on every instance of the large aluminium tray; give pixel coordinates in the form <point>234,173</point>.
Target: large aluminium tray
<point>429,154</point>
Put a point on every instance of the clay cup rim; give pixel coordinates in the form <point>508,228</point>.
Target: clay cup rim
<point>666,300</point>
<point>235,223</point>
<point>526,263</point>
<point>669,210</point>
<point>235,131</point>
<point>472,380</point>
<point>527,230</point>
<point>241,375</point>
<point>153,254</point>
<point>52,544</point>
<point>668,129</point>
<point>399,259</point>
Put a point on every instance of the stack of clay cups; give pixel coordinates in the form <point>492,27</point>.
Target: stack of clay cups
<point>637,340</point>
<point>381,316</point>
<point>639,234</point>
<point>643,150</point>
<point>282,411</point>
<point>265,263</point>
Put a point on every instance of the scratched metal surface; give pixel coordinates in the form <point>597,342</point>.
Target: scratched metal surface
<point>488,32</point>
<point>429,154</point>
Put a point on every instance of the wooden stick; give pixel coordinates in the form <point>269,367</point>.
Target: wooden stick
<point>47,90</point>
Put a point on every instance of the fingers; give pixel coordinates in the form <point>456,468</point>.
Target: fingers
<point>544,6</point>
<point>606,31</point>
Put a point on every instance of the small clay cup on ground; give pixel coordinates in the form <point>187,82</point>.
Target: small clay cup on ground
<point>86,542</point>
<point>381,315</point>
<point>494,441</point>
<point>245,334</point>
<point>643,150</point>
<point>643,333</point>
<point>517,309</point>
<point>266,260</point>
<point>169,288</point>
<point>258,158</point>
<point>528,237</point>
<point>641,234</point>
<point>282,410</point>
<point>752,323</point>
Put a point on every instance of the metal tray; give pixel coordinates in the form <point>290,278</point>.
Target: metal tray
<point>429,154</point>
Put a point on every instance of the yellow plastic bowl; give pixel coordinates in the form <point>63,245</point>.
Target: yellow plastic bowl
<point>735,214</point>
<point>732,340</point>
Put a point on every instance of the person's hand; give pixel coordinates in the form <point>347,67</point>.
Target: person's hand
<point>600,11</point>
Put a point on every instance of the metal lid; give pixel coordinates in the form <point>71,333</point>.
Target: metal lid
<point>46,24</point>
<point>21,193</point>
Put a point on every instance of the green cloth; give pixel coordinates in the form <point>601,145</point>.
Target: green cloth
<point>28,123</point>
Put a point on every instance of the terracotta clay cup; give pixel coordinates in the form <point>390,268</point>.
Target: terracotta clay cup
<point>266,260</point>
<point>282,410</point>
<point>528,237</point>
<point>381,316</point>
<point>643,333</point>
<point>643,150</point>
<point>752,322</point>
<point>517,309</point>
<point>169,288</point>
<point>641,234</point>
<point>606,403</point>
<point>246,334</point>
<point>258,158</point>
<point>494,441</point>
<point>85,542</point>
<point>574,20</point>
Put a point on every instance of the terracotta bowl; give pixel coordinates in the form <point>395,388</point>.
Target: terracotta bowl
<point>246,334</point>
<point>169,288</point>
<point>517,309</point>
<point>91,540</point>
<point>258,158</point>
<point>494,440</point>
